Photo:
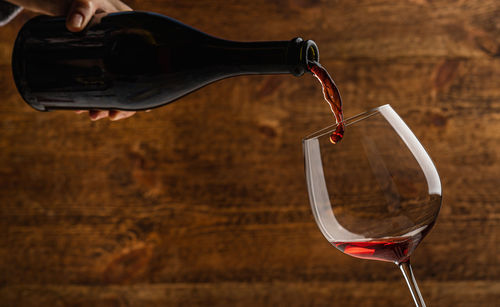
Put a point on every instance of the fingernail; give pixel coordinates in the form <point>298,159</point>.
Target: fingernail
<point>76,20</point>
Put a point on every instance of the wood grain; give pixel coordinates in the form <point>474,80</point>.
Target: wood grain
<point>204,202</point>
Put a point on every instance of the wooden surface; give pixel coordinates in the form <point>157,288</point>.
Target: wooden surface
<point>204,202</point>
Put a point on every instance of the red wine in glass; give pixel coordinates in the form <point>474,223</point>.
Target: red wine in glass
<point>391,250</point>
<point>332,96</point>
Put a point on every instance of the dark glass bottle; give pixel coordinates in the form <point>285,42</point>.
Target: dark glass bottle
<point>136,61</point>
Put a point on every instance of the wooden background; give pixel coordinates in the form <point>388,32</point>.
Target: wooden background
<point>204,202</point>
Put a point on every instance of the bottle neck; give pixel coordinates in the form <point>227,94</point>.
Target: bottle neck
<point>270,57</point>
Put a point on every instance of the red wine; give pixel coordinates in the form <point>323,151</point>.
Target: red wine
<point>332,96</point>
<point>392,250</point>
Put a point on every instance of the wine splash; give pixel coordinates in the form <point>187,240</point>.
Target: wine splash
<point>332,96</point>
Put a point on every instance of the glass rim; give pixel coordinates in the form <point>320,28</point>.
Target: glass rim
<point>347,122</point>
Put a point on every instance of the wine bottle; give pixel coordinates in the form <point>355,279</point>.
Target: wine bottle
<point>137,61</point>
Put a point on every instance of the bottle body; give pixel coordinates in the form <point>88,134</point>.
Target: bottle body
<point>136,61</point>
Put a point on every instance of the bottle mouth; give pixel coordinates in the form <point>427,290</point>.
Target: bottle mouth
<point>307,52</point>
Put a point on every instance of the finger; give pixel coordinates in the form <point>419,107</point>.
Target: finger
<point>80,111</point>
<point>98,114</point>
<point>110,6</point>
<point>122,6</point>
<point>79,14</point>
<point>117,115</point>
<point>105,6</point>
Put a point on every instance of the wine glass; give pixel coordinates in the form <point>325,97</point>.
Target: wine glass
<point>376,194</point>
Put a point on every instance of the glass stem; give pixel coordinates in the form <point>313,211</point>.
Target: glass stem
<point>405,267</point>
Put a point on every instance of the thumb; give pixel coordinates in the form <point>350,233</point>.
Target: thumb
<point>79,14</point>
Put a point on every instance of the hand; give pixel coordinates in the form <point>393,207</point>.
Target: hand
<point>79,13</point>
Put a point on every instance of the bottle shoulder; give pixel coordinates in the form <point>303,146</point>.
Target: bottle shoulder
<point>161,27</point>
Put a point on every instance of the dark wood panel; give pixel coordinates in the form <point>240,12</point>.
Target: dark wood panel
<point>254,294</point>
<point>204,203</point>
